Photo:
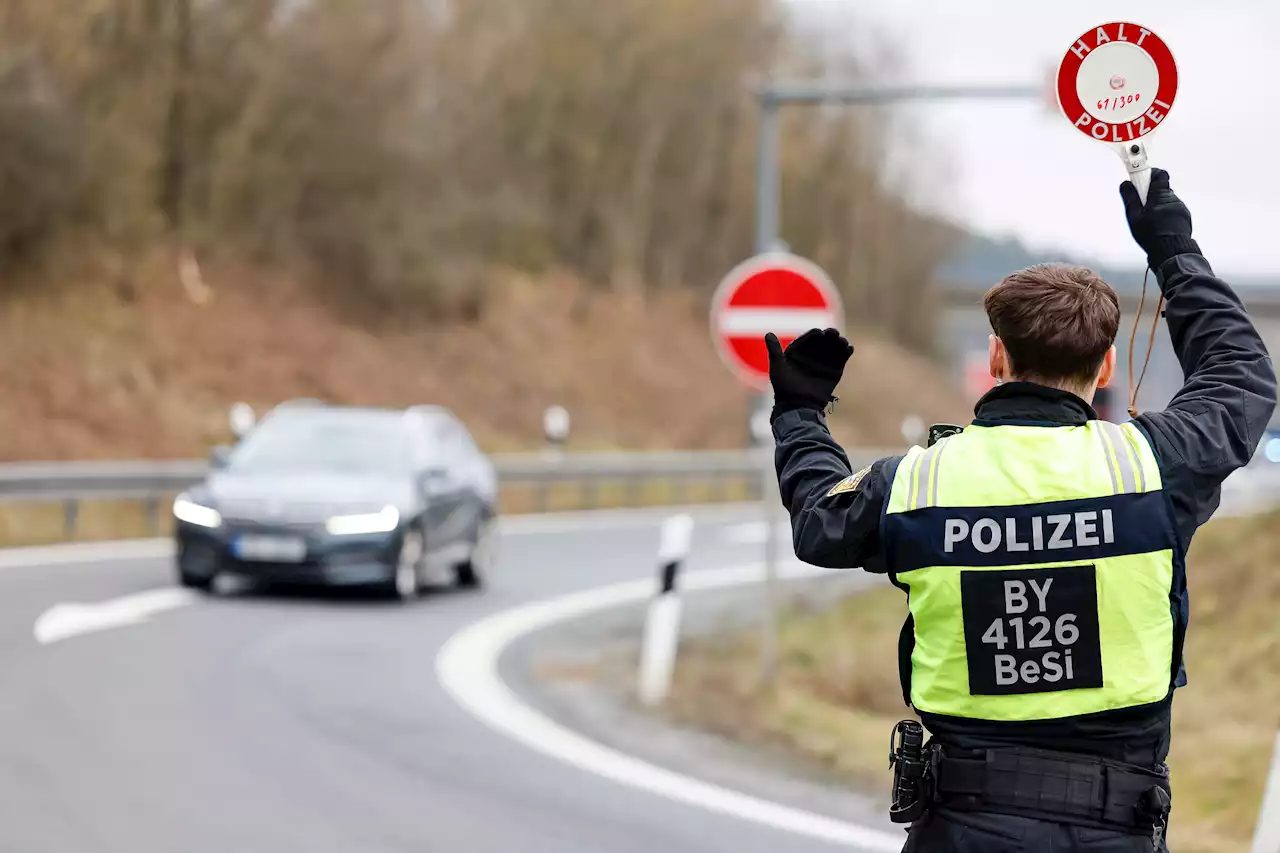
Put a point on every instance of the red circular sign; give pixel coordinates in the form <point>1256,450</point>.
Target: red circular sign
<point>1117,82</point>
<point>776,292</point>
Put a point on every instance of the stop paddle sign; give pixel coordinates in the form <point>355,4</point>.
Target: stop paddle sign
<point>774,292</point>
<point>1116,84</point>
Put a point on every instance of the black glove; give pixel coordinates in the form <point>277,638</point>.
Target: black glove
<point>1163,227</point>
<point>805,376</point>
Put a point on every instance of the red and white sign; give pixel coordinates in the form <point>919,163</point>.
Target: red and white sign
<point>775,292</point>
<point>1117,82</point>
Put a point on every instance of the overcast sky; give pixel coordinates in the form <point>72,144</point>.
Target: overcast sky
<point>1021,169</point>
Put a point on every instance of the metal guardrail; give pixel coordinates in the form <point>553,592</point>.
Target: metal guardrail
<point>539,474</point>
<point>142,480</point>
<point>54,481</point>
<point>532,481</point>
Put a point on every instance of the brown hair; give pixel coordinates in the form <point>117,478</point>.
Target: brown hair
<point>1056,321</point>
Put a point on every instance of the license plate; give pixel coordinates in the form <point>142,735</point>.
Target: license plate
<point>271,549</point>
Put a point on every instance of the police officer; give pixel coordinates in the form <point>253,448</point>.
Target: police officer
<point>1042,549</point>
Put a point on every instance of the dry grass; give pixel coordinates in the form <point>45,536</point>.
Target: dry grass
<point>838,693</point>
<point>95,521</point>
<point>1225,721</point>
<point>124,365</point>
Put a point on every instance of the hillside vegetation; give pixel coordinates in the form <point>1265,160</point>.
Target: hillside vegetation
<point>396,151</point>
<point>134,367</point>
<point>838,693</point>
<point>491,205</point>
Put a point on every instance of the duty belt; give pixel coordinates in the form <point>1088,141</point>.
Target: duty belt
<point>1061,787</point>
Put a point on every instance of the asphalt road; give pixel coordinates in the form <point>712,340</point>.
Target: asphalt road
<point>285,723</point>
<point>251,722</point>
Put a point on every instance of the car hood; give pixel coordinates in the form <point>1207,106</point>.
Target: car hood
<point>305,497</point>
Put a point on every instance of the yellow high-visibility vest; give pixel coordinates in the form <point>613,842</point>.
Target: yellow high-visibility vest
<point>1039,563</point>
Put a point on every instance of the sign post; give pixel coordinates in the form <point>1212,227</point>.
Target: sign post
<point>781,293</point>
<point>555,427</point>
<point>1116,84</point>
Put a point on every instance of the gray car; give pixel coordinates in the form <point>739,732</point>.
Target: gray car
<point>343,496</point>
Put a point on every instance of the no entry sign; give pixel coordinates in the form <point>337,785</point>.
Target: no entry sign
<point>775,292</point>
<point>1116,84</point>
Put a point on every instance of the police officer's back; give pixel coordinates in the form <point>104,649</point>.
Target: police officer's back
<point>1042,549</point>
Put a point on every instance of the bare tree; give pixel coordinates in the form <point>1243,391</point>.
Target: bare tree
<point>403,147</point>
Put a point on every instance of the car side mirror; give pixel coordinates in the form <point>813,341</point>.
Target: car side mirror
<point>220,456</point>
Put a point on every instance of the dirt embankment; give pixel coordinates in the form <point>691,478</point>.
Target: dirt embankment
<point>135,367</point>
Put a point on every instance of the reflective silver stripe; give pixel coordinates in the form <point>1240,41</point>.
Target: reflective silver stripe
<point>937,466</point>
<point>1128,445</point>
<point>1122,458</point>
<point>1107,450</point>
<point>922,479</point>
<point>922,476</point>
<point>913,489</point>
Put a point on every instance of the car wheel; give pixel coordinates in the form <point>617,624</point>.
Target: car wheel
<point>197,566</point>
<point>473,572</point>
<point>200,583</point>
<point>404,583</point>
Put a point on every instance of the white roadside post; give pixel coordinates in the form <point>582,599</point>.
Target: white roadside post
<point>662,626</point>
<point>241,419</point>
<point>1266,838</point>
<point>912,429</point>
<point>555,427</point>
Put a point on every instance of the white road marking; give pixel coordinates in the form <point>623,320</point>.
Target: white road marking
<point>63,621</point>
<point>1266,838</point>
<point>467,668</point>
<point>70,619</point>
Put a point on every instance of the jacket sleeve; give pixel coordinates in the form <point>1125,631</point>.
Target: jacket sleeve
<point>1214,423</point>
<point>835,512</point>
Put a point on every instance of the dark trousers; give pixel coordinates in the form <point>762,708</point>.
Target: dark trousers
<point>974,832</point>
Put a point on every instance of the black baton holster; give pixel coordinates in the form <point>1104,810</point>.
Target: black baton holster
<point>912,773</point>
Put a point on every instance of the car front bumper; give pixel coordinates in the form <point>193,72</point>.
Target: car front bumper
<point>327,560</point>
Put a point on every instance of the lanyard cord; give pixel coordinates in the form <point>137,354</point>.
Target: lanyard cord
<point>1151,342</point>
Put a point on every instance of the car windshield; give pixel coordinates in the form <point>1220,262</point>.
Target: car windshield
<point>325,441</point>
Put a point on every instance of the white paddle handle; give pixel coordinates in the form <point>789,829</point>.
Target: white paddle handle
<point>1134,155</point>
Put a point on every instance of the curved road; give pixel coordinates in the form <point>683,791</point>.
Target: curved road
<point>270,723</point>
<point>266,723</point>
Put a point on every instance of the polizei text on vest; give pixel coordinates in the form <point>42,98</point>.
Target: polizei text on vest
<point>1037,533</point>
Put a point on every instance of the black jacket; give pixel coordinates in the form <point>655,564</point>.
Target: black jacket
<point>1210,428</point>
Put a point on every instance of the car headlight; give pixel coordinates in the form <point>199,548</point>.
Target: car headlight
<point>383,521</point>
<point>185,509</point>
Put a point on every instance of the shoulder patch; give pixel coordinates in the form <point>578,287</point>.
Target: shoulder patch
<point>850,483</point>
